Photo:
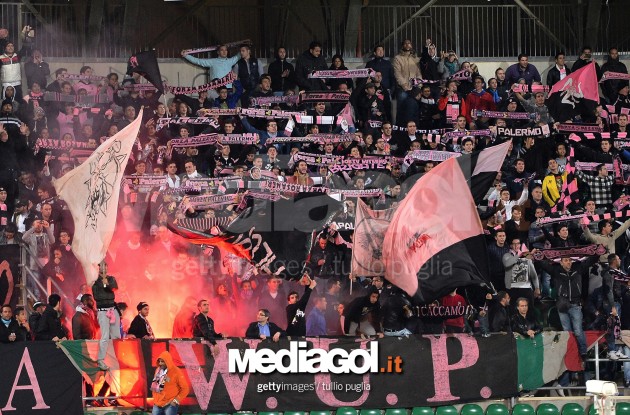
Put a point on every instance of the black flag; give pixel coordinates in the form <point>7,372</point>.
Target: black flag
<point>145,64</point>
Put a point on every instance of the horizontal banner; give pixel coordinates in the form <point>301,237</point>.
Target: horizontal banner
<point>342,73</point>
<point>183,90</point>
<point>314,138</point>
<point>614,75</point>
<point>574,251</point>
<point>505,114</point>
<point>429,155</point>
<point>324,96</point>
<point>53,144</point>
<point>264,113</point>
<point>162,122</point>
<point>285,99</point>
<point>523,132</point>
<point>215,47</point>
<point>245,374</point>
<point>359,164</point>
<point>581,128</point>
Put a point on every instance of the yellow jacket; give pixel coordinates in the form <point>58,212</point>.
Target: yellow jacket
<point>550,190</point>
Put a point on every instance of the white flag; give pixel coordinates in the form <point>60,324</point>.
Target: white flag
<point>91,192</point>
<point>369,232</point>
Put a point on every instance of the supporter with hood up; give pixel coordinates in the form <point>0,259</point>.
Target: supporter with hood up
<point>169,386</point>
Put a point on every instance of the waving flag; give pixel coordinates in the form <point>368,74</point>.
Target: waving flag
<point>576,94</point>
<point>146,64</point>
<point>91,192</point>
<point>435,242</point>
<point>369,232</point>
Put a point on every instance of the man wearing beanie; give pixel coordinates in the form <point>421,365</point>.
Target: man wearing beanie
<point>140,327</point>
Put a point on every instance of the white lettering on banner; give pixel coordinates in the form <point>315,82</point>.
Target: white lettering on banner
<point>33,385</point>
<point>303,360</point>
<point>203,389</point>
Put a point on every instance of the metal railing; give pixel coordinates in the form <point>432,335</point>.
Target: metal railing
<point>481,31</point>
<point>31,280</point>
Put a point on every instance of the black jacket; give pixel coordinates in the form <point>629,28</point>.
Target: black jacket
<point>104,297</point>
<point>49,325</point>
<point>358,308</point>
<point>569,283</point>
<point>248,77</point>
<point>278,83</point>
<point>553,75</point>
<point>610,87</point>
<point>203,326</point>
<point>296,317</point>
<point>138,327</point>
<point>394,313</point>
<point>385,67</point>
<point>21,334</point>
<point>522,324</point>
<point>254,332</point>
<point>499,318</point>
<point>307,63</point>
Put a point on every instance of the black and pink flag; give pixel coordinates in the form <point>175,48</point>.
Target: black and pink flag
<point>435,241</point>
<point>576,94</point>
<point>146,64</point>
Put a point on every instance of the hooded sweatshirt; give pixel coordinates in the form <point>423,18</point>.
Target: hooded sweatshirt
<point>170,385</point>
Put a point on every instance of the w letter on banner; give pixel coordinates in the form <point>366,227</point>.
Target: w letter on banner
<point>203,389</point>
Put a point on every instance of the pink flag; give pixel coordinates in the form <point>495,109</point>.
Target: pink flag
<point>435,240</point>
<point>581,83</point>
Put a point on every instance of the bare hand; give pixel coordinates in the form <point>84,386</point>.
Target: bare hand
<point>215,350</point>
<point>276,337</point>
<point>321,262</point>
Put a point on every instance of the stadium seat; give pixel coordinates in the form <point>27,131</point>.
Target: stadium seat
<point>422,410</point>
<point>547,409</point>
<point>269,413</point>
<point>300,413</point>
<point>346,410</point>
<point>319,413</point>
<point>572,409</point>
<point>396,411</point>
<point>497,409</point>
<point>471,409</point>
<point>591,410</point>
<point>446,410</point>
<point>370,412</point>
<point>523,409</point>
<point>622,408</point>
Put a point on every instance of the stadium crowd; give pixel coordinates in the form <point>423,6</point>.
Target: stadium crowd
<point>407,104</point>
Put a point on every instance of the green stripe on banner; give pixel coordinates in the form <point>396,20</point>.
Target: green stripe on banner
<point>540,360</point>
<point>78,351</point>
<point>530,362</point>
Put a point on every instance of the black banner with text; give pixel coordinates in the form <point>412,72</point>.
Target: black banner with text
<point>406,372</point>
<point>37,378</point>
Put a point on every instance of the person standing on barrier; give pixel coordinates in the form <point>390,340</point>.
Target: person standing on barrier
<point>107,315</point>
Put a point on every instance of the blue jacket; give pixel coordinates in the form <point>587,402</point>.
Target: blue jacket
<point>217,67</point>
